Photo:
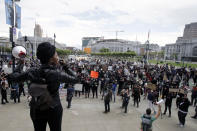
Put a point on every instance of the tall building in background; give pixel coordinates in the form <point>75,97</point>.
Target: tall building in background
<point>190,31</point>
<point>19,34</point>
<point>185,47</point>
<point>38,31</point>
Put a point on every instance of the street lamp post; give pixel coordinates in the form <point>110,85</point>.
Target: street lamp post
<point>147,50</point>
<point>13,30</point>
<point>54,38</point>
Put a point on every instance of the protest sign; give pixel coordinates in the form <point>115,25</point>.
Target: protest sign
<point>151,86</point>
<point>160,102</point>
<point>110,68</point>
<point>104,67</point>
<point>94,74</point>
<point>182,91</point>
<point>78,87</point>
<point>173,90</point>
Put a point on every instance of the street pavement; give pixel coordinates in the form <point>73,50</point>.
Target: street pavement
<point>87,115</point>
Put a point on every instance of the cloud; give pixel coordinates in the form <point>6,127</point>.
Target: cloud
<point>72,20</point>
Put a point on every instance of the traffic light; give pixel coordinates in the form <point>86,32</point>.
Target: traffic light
<point>25,38</point>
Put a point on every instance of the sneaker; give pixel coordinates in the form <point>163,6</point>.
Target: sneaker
<point>181,125</point>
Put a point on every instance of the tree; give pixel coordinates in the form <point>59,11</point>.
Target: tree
<point>116,54</point>
<point>5,49</point>
<point>161,54</point>
<point>174,55</point>
<point>61,52</point>
<point>80,52</point>
<point>104,50</point>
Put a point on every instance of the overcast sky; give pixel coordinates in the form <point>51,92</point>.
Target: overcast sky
<point>71,20</point>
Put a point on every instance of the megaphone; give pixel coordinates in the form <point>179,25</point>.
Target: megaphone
<point>19,52</point>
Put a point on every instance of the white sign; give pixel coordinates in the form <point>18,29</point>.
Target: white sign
<point>78,87</point>
<point>110,68</point>
<point>160,102</point>
<point>6,69</point>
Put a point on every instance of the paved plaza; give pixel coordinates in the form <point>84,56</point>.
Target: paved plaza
<point>87,115</point>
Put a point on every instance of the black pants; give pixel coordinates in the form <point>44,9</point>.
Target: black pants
<point>87,92</point>
<point>95,91</point>
<point>4,97</point>
<point>182,117</point>
<point>125,106</point>
<point>51,116</point>
<point>169,108</point>
<point>136,100</point>
<point>69,102</point>
<point>195,116</point>
<point>107,106</point>
<point>15,95</point>
<point>79,92</point>
<point>21,90</point>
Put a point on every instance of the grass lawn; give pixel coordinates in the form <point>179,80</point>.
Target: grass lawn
<point>174,63</point>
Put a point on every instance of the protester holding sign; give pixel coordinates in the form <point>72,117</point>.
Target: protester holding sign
<point>147,119</point>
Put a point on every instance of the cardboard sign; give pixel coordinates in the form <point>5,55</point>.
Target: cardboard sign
<point>182,91</point>
<point>151,86</point>
<point>94,74</point>
<point>78,87</point>
<point>104,67</point>
<point>173,90</point>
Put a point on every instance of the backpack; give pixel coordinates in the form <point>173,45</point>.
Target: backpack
<point>41,98</point>
<point>150,97</point>
<point>136,91</point>
<point>108,96</point>
<point>146,123</point>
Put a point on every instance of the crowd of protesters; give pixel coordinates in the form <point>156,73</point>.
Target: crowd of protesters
<point>121,78</point>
